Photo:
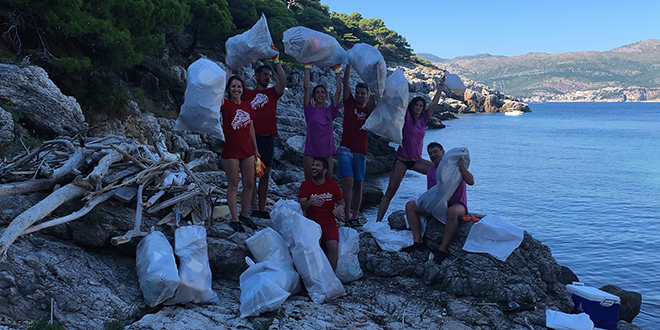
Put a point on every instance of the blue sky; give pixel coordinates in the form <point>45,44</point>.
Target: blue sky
<point>511,27</point>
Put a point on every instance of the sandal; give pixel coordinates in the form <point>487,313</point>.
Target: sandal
<point>353,223</point>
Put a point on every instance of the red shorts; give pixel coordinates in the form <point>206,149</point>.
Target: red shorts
<point>329,232</point>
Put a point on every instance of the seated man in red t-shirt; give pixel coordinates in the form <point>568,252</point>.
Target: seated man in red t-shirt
<point>322,202</point>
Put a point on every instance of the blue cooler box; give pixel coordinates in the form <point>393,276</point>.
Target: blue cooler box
<point>602,307</point>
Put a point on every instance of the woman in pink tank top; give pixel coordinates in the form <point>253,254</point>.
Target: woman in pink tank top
<point>409,154</point>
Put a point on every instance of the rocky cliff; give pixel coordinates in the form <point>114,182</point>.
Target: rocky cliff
<point>91,281</point>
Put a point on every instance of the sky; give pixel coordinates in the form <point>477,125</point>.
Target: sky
<point>511,27</point>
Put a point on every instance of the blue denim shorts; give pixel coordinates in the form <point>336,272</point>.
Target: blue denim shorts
<point>353,164</point>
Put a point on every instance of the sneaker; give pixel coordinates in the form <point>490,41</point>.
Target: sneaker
<point>353,223</point>
<point>264,214</point>
<point>439,256</point>
<point>255,214</point>
<point>417,246</point>
<point>236,226</point>
<point>247,221</point>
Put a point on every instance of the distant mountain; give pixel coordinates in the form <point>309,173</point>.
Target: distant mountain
<point>631,72</point>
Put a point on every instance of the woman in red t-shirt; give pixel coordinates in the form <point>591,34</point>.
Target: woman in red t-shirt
<point>238,151</point>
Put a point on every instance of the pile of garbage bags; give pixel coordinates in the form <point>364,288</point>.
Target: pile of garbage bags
<point>160,279</point>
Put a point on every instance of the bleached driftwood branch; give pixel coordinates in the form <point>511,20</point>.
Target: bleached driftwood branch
<point>73,216</point>
<point>38,212</point>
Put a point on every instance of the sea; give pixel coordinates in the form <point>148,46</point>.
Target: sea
<point>583,178</point>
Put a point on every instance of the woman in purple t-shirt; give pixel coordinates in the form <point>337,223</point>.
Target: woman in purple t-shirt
<point>409,154</point>
<point>320,140</point>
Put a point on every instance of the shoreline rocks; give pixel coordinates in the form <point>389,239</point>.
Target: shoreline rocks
<point>92,281</point>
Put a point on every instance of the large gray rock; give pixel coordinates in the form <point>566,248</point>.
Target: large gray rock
<point>631,302</point>
<point>39,104</point>
<point>87,287</point>
<point>528,276</point>
<point>6,126</point>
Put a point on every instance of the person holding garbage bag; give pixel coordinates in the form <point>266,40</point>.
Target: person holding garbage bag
<point>409,154</point>
<point>238,151</point>
<point>457,205</point>
<point>352,154</point>
<point>264,104</point>
<point>321,200</point>
<point>320,140</point>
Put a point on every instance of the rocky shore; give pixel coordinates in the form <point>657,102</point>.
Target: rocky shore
<point>91,282</point>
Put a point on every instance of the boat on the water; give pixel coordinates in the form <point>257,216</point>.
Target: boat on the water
<point>513,113</point>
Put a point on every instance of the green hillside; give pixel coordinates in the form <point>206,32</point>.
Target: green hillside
<point>533,74</point>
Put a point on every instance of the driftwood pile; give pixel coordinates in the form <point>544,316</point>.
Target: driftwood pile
<point>96,169</point>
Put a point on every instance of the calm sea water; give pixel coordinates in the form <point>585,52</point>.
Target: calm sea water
<point>584,178</point>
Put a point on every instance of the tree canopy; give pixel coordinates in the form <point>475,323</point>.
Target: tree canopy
<point>97,39</point>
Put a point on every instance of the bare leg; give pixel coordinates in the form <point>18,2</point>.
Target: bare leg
<point>348,195</point>
<point>422,166</point>
<point>396,176</point>
<point>253,201</point>
<point>412,215</point>
<point>307,166</point>
<point>263,189</point>
<point>357,198</point>
<point>332,252</point>
<point>231,169</point>
<point>328,175</point>
<point>453,213</point>
<point>247,171</point>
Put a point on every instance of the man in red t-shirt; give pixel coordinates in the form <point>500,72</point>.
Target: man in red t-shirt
<point>352,155</point>
<point>264,103</point>
<point>321,200</point>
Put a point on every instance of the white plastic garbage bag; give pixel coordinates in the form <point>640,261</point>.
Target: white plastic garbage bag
<point>494,236</point>
<point>387,238</point>
<point>266,285</point>
<point>318,277</point>
<point>194,269</point>
<point>454,83</point>
<point>203,97</point>
<point>563,321</point>
<point>448,178</point>
<point>251,45</point>
<point>267,244</point>
<point>337,57</point>
<point>156,268</point>
<point>283,215</point>
<point>388,117</point>
<point>348,265</point>
<point>307,45</point>
<point>370,65</point>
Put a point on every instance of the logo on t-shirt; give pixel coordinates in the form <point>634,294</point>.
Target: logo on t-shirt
<point>326,197</point>
<point>242,119</point>
<point>360,115</point>
<point>259,101</point>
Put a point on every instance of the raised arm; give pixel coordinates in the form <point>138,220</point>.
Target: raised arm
<point>467,176</point>
<point>438,93</point>
<point>337,97</point>
<point>306,85</point>
<point>371,104</point>
<point>281,79</point>
<point>227,74</point>
<point>347,82</point>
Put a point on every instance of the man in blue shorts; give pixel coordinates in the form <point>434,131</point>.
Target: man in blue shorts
<point>352,154</point>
